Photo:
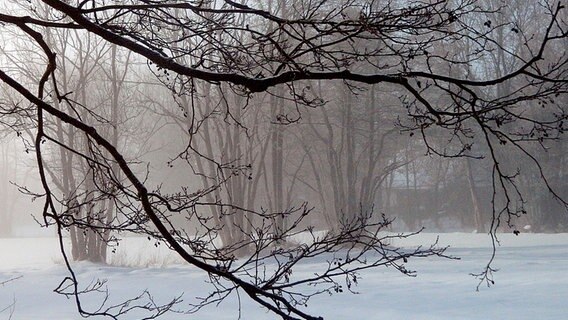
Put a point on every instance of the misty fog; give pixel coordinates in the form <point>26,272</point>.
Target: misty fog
<point>245,140</point>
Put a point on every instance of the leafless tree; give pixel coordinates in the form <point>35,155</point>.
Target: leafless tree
<point>251,48</point>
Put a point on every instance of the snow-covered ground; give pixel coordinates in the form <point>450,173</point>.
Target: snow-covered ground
<point>532,282</point>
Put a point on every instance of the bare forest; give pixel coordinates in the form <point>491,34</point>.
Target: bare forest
<point>228,130</point>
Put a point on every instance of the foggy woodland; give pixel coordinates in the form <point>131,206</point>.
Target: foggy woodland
<point>224,129</point>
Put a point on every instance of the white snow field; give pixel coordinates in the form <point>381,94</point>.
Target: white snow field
<point>532,282</point>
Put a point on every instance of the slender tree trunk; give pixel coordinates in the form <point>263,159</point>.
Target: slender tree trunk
<point>477,216</point>
<point>350,153</point>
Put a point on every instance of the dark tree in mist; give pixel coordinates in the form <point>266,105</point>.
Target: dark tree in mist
<point>292,54</point>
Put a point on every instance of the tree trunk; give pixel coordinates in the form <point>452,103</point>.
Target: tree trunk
<point>477,216</point>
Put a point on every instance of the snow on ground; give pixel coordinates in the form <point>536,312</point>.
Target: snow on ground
<point>532,282</point>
